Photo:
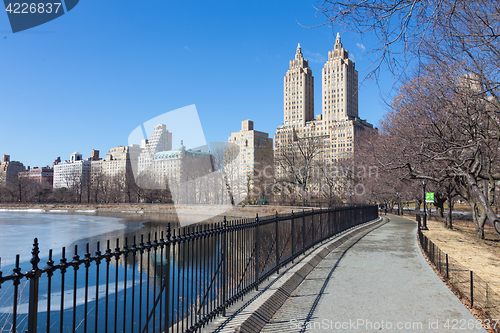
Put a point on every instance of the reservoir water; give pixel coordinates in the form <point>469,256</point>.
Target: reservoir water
<point>57,230</point>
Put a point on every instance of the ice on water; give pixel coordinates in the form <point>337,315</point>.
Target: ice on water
<point>18,230</point>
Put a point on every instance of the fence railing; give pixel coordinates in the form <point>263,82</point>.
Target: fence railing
<point>466,282</point>
<point>175,281</point>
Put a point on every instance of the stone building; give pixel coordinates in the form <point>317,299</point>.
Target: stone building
<point>185,173</point>
<point>332,134</point>
<point>117,161</point>
<point>9,169</point>
<point>249,161</point>
<point>44,175</point>
<point>338,124</point>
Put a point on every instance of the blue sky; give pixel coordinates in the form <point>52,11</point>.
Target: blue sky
<point>87,79</point>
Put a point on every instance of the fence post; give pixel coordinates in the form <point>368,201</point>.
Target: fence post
<point>224,266</point>
<point>447,269</point>
<point>303,230</point>
<point>329,222</point>
<point>34,284</point>
<point>320,225</point>
<point>257,252</point>
<point>167,279</point>
<point>471,289</point>
<point>277,243</point>
<point>293,238</point>
<point>312,226</point>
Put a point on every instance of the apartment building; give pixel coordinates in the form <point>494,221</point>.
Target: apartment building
<point>337,127</point>
<point>9,169</point>
<point>72,173</point>
<point>248,159</point>
<point>44,175</point>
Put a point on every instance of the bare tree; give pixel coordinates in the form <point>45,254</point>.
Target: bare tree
<point>263,180</point>
<point>407,30</point>
<point>443,128</point>
<point>233,173</point>
<point>22,188</point>
<point>296,160</point>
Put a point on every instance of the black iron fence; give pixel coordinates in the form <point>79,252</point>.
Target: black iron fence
<point>468,284</point>
<point>175,281</point>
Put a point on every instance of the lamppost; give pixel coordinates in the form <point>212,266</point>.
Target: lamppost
<point>424,220</point>
<point>397,194</point>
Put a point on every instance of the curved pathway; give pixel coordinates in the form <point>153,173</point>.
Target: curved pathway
<point>378,283</point>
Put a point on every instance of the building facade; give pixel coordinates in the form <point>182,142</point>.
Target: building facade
<point>186,174</point>
<point>307,149</point>
<point>9,169</point>
<point>74,173</point>
<point>336,128</point>
<point>249,160</point>
<point>298,92</point>
<point>116,163</point>
<point>161,140</point>
<point>44,175</point>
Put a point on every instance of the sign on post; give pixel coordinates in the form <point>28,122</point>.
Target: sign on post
<point>429,196</point>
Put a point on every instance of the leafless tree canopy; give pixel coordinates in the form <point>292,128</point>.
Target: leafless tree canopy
<point>444,124</point>
<point>443,127</point>
<point>407,30</point>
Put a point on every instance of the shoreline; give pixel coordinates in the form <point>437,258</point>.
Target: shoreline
<point>141,208</point>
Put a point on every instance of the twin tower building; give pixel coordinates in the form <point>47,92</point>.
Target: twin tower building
<point>338,124</point>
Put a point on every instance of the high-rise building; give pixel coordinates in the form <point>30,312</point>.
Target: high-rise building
<point>161,140</point>
<point>94,155</point>
<point>306,148</point>
<point>250,158</point>
<point>298,92</point>
<point>9,169</point>
<point>116,163</point>
<point>339,85</point>
<point>337,126</point>
<point>74,173</point>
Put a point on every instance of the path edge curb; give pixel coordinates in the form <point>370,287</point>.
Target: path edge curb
<point>275,297</point>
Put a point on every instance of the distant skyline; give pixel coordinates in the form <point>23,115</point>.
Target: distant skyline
<point>87,79</point>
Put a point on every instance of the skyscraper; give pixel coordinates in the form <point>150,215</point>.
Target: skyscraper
<point>161,140</point>
<point>298,91</point>
<point>339,85</point>
<point>306,147</point>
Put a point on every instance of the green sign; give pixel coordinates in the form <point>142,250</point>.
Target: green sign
<point>429,196</point>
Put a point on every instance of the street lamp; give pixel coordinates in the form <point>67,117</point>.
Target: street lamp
<point>397,194</point>
<point>424,220</point>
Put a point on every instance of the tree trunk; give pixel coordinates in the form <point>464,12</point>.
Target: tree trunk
<point>480,226</point>
<point>439,203</point>
<point>448,223</point>
<point>417,205</point>
<point>478,197</point>
<point>478,220</point>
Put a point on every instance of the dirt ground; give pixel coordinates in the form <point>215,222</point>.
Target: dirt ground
<point>461,244</point>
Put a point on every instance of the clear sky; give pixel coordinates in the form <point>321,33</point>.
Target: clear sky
<point>87,79</point>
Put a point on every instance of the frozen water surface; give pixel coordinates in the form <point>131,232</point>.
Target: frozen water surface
<point>19,229</point>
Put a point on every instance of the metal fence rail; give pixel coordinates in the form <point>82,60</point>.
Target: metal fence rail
<point>469,284</point>
<point>172,281</point>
